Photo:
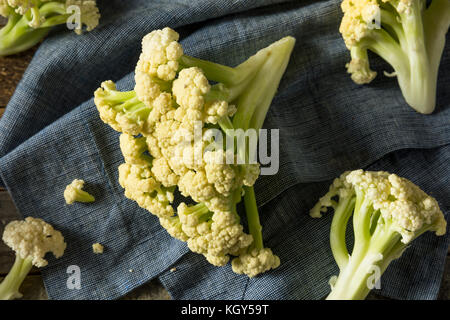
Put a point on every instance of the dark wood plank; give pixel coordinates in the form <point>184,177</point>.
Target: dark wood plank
<point>33,288</point>
<point>444,292</point>
<point>152,290</point>
<point>11,71</point>
<point>8,213</point>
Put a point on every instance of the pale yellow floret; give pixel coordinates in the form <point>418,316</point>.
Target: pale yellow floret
<point>223,176</point>
<point>251,174</point>
<point>147,90</point>
<point>5,9</point>
<point>33,238</point>
<point>214,111</point>
<point>195,185</point>
<point>173,227</point>
<point>189,89</point>
<point>117,120</point>
<point>401,203</point>
<point>97,248</point>
<point>133,148</point>
<point>255,262</point>
<point>141,186</point>
<point>74,193</point>
<point>360,72</point>
<point>226,237</point>
<point>164,173</point>
<point>359,14</point>
<point>160,54</point>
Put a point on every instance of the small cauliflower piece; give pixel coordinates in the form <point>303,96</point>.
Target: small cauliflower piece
<point>31,239</point>
<point>255,262</point>
<point>97,248</point>
<point>29,21</point>
<point>74,193</point>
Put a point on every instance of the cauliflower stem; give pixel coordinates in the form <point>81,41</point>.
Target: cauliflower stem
<point>176,100</point>
<point>388,213</point>
<point>9,287</point>
<point>29,21</point>
<point>411,38</point>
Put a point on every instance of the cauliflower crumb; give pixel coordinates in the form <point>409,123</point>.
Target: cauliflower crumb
<point>97,248</point>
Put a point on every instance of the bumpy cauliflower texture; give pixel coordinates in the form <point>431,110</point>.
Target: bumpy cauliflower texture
<point>34,238</point>
<point>387,212</point>
<point>167,145</point>
<point>74,193</point>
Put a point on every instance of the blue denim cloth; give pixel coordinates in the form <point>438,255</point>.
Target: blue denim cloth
<point>51,134</point>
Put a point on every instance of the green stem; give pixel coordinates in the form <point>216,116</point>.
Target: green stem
<point>224,74</point>
<point>254,225</point>
<point>338,243</point>
<point>256,99</point>
<point>18,36</point>
<point>390,22</point>
<point>419,85</point>
<point>9,287</point>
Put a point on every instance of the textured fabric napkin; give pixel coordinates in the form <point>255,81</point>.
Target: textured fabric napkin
<point>51,134</point>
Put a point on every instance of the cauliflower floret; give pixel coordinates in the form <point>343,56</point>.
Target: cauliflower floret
<point>189,89</point>
<point>133,148</point>
<point>196,185</point>
<point>146,88</point>
<point>224,177</point>
<point>226,237</point>
<point>141,186</point>
<point>251,174</point>
<point>164,173</point>
<point>360,70</point>
<point>74,193</point>
<point>119,121</point>
<point>403,205</point>
<point>173,227</point>
<point>5,9</point>
<point>33,238</point>
<point>255,262</point>
<point>354,25</point>
<point>160,54</point>
<point>400,201</point>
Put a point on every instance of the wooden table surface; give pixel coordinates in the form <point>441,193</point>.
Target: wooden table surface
<point>11,70</point>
